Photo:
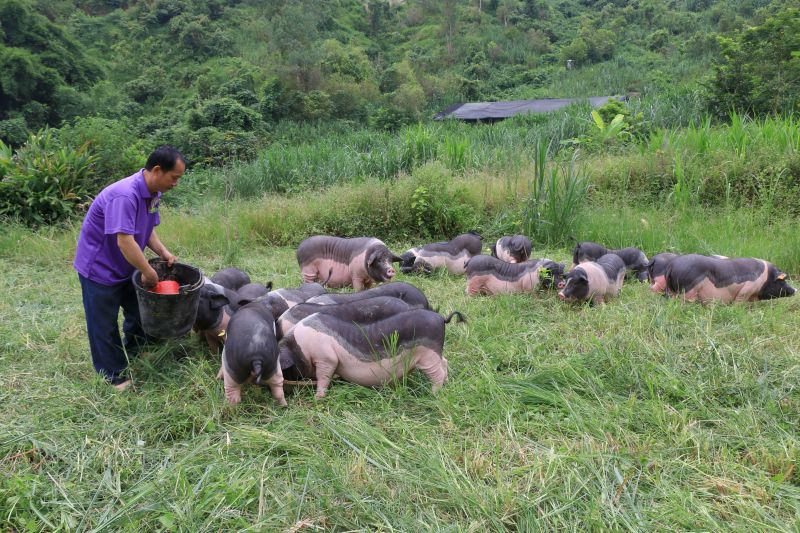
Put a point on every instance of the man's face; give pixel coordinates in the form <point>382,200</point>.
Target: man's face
<point>167,179</point>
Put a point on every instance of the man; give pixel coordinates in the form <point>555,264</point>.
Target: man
<point>119,224</point>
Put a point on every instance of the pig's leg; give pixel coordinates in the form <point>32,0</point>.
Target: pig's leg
<point>432,365</point>
<point>221,364</point>
<point>357,284</point>
<point>599,299</point>
<point>474,287</point>
<point>325,366</point>
<point>275,383</point>
<point>233,390</point>
<point>309,273</point>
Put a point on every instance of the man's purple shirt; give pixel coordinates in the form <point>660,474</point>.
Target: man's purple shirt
<point>126,206</point>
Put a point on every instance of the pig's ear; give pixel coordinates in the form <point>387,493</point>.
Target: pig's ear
<point>268,285</point>
<point>285,358</point>
<point>218,300</point>
<point>781,276</point>
<point>396,259</point>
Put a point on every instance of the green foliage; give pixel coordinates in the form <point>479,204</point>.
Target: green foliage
<point>759,71</point>
<point>119,151</point>
<point>44,182</point>
<point>13,131</point>
<point>557,194</point>
<point>388,119</point>
<point>37,57</point>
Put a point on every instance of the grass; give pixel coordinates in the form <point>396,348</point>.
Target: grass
<point>642,414</point>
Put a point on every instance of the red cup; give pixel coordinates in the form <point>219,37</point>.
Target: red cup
<point>167,287</point>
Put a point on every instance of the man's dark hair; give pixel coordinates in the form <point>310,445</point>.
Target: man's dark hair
<point>165,156</point>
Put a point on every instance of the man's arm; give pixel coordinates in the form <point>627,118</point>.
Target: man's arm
<point>155,244</point>
<point>134,255</point>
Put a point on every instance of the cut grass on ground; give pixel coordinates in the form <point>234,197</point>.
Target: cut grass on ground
<point>642,414</point>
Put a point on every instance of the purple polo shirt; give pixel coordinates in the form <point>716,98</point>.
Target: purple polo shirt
<point>123,207</point>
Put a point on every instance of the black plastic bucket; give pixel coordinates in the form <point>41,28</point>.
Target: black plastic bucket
<point>167,316</point>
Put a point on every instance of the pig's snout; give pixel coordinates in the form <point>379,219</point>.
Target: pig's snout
<point>562,284</point>
<point>561,296</point>
<point>390,272</point>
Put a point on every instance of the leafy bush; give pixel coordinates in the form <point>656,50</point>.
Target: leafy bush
<point>118,149</point>
<point>13,131</point>
<point>44,182</point>
<point>759,70</point>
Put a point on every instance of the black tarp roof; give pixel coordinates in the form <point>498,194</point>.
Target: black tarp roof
<point>500,110</point>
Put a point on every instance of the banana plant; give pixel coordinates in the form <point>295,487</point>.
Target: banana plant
<point>614,130</point>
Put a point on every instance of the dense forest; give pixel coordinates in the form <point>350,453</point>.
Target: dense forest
<point>109,79</point>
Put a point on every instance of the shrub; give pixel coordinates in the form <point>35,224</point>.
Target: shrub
<point>44,182</point>
<point>13,131</point>
<point>118,149</point>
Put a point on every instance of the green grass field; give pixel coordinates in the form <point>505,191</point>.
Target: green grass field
<point>641,414</point>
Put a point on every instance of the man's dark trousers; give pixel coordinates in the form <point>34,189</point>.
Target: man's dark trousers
<point>102,304</point>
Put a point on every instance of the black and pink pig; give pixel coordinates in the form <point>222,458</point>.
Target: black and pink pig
<point>635,260</point>
<point>489,275</point>
<point>451,255</point>
<point>512,249</point>
<point>357,262</point>
<point>704,279</point>
<point>371,354</point>
<point>594,281</point>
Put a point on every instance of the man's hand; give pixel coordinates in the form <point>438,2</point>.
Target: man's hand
<point>149,278</point>
<point>168,257</point>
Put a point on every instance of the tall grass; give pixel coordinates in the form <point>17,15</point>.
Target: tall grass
<point>554,417</point>
<point>556,196</point>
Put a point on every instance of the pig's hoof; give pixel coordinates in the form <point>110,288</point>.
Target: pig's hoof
<point>319,395</point>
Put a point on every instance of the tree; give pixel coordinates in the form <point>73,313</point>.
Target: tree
<point>759,70</point>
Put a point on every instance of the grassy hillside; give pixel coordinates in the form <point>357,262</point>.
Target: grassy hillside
<point>641,414</point>
<point>214,77</point>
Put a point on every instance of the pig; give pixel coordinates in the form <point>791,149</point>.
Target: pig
<point>281,300</point>
<point>231,278</point>
<point>452,255</point>
<point>360,311</point>
<point>249,292</point>
<point>251,353</point>
<point>399,289</point>
<point>489,275</point>
<point>213,313</point>
<point>594,280</point>
<point>373,354</point>
<point>635,260</point>
<point>656,270</point>
<point>515,249</point>
<point>358,262</point>
<point>704,279</point>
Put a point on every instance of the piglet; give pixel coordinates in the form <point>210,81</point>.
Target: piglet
<point>512,249</point>
<point>704,279</point>
<point>657,269</point>
<point>231,278</point>
<point>451,255</point>
<point>373,354</point>
<point>488,275</point>
<point>359,311</point>
<point>635,260</point>
<point>251,353</point>
<point>398,289</point>
<point>594,280</point>
<point>213,313</point>
<point>358,262</point>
